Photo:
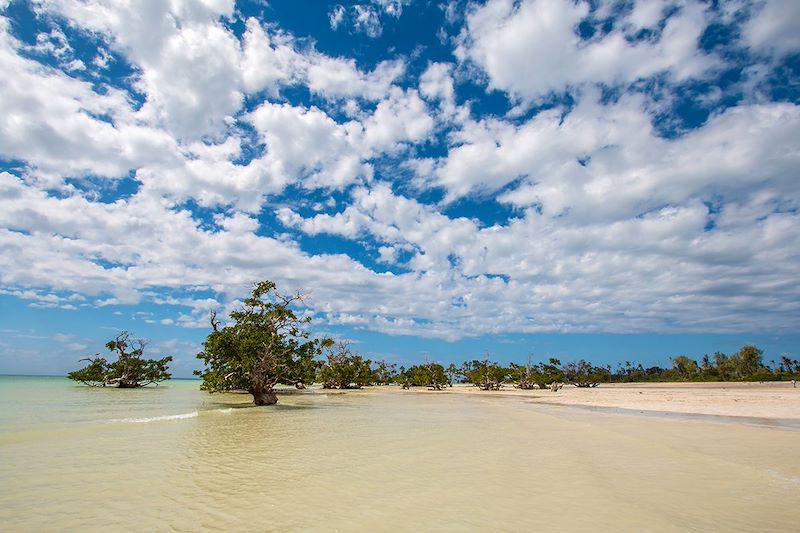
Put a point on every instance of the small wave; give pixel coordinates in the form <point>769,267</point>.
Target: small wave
<point>145,420</point>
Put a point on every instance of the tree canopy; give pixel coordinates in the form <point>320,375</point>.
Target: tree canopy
<point>265,344</point>
<point>129,371</point>
<point>345,369</point>
<point>431,375</point>
<point>486,375</point>
<point>584,374</point>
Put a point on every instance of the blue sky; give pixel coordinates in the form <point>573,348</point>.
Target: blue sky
<point>605,179</point>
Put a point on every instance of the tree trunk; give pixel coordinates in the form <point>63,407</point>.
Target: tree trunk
<point>264,397</point>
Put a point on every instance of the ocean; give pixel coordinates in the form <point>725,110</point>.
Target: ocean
<point>174,458</point>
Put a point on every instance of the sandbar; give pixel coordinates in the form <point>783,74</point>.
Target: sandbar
<point>778,401</point>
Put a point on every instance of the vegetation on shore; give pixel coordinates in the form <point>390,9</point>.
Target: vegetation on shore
<point>346,370</point>
<point>267,344</point>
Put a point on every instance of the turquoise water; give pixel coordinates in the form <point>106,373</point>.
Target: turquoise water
<point>173,458</point>
<point>40,402</point>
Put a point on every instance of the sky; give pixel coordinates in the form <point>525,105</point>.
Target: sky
<point>615,180</point>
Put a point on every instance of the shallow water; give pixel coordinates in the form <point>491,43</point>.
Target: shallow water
<point>174,458</point>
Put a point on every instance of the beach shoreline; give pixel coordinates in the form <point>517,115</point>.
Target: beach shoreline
<point>737,401</point>
<point>462,459</point>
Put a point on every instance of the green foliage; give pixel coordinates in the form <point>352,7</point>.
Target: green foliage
<point>128,371</point>
<point>744,365</point>
<point>485,374</point>
<point>453,373</point>
<point>265,345</point>
<point>789,367</point>
<point>384,373</point>
<point>687,368</point>
<point>523,376</point>
<point>430,375</point>
<point>345,369</point>
<point>94,374</point>
<point>547,373</point>
<point>630,373</point>
<point>584,374</point>
<point>747,361</point>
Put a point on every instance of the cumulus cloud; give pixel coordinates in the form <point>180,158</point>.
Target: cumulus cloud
<point>56,123</point>
<point>600,276</point>
<point>61,127</point>
<point>604,225</point>
<point>437,84</point>
<point>187,59</point>
<point>270,60</point>
<point>306,144</point>
<point>531,48</point>
<point>774,27</point>
<point>606,160</point>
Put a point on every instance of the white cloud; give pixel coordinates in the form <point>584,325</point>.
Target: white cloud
<point>53,42</point>
<point>54,122</point>
<point>188,61</point>
<point>401,117</point>
<point>307,143</point>
<point>269,60</point>
<point>437,84</point>
<point>62,128</point>
<point>193,83</point>
<point>647,13</point>
<point>387,254</point>
<point>606,160</point>
<point>610,229</point>
<point>336,16</point>
<point>340,78</point>
<point>393,8</point>
<point>273,59</point>
<point>531,48</point>
<point>367,20</point>
<point>625,275</point>
<point>774,26</point>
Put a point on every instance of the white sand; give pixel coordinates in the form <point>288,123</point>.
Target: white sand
<point>776,400</point>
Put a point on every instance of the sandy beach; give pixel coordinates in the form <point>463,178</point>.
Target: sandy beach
<point>772,401</point>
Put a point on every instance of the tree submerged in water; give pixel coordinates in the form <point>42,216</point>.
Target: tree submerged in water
<point>128,371</point>
<point>266,345</point>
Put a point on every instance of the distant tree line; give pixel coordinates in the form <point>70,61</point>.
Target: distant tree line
<point>745,365</point>
<point>343,369</point>
<point>267,344</point>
